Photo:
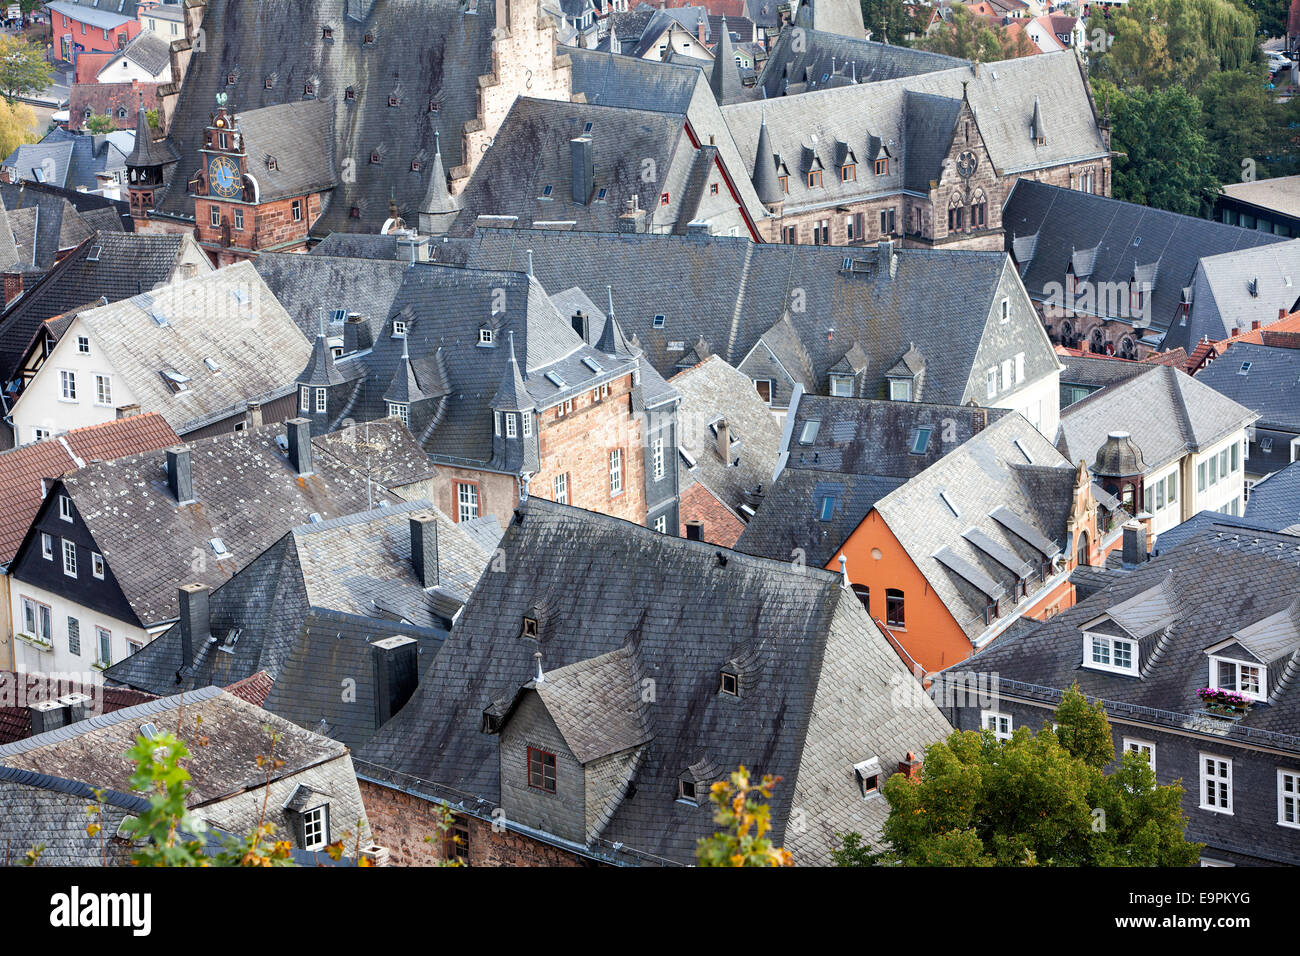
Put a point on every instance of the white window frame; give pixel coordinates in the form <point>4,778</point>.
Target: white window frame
<point>991,382</point>
<point>400,411</point>
<point>842,386</point>
<point>103,389</point>
<point>485,335</point>
<point>1145,747</point>
<point>42,616</point>
<point>1103,645</point>
<point>661,524</point>
<point>1223,776</point>
<point>467,504</point>
<point>616,471</point>
<point>526,421</point>
<point>1260,695</point>
<point>65,508</point>
<point>314,828</point>
<point>97,565</point>
<point>1020,367</point>
<point>512,429</point>
<point>47,546</point>
<point>103,636</point>
<point>67,385</point>
<point>1007,367</point>
<point>560,488</point>
<point>69,550</point>
<point>997,719</point>
<point>83,344</point>
<point>321,399</point>
<point>1289,797</point>
<point>900,390</point>
<point>657,458</point>
<point>304,400</point>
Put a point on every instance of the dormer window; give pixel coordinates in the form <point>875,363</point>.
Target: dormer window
<point>867,774</point>
<point>730,684</point>
<point>400,411</point>
<point>1247,679</point>
<point>530,628</point>
<point>848,172</point>
<point>485,336</point>
<point>327,33</point>
<point>399,327</point>
<point>900,390</point>
<point>309,89</point>
<point>392,99</point>
<point>369,39</point>
<point>842,386</point>
<point>349,94</point>
<point>686,791</point>
<point>1106,652</point>
<point>882,166</point>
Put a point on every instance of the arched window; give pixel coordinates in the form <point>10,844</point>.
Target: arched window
<point>1097,340</point>
<point>956,213</point>
<point>978,210</point>
<point>1081,559</point>
<point>894,615</point>
<point>1127,347</point>
<point>863,594</point>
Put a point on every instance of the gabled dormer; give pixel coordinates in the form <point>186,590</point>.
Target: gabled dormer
<point>846,375</point>
<point>1253,660</point>
<point>1128,636</point>
<point>514,441</point>
<point>907,376</point>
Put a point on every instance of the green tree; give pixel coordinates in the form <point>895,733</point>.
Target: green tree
<point>890,21</point>
<point>16,126</point>
<point>99,124</point>
<point>1157,43</point>
<point>1034,800</point>
<point>745,822</point>
<point>967,36</point>
<point>1242,121</point>
<point>23,69</point>
<point>1164,158</point>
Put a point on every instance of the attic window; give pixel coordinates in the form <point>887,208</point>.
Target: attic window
<point>555,379</point>
<point>94,254</point>
<point>586,128</point>
<point>868,776</point>
<point>270,82</point>
<point>350,94</point>
<point>219,548</point>
<point>176,381</point>
<point>1245,368</point>
<point>415,165</point>
<point>230,79</point>
<point>392,99</point>
<point>272,163</point>
<point>686,791</point>
<point>948,501</point>
<point>730,684</point>
<point>809,433</point>
<point>658,322</point>
<point>375,158</point>
<point>921,440</point>
<point>546,191</point>
<point>355,212</point>
<point>369,39</point>
<point>485,336</point>
<point>308,89</point>
<point>158,318</point>
<point>212,364</point>
<point>601,193</point>
<point>827,510</point>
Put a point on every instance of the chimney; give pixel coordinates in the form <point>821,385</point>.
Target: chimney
<point>127,411</point>
<point>1135,544</point>
<point>1236,330</point>
<point>180,480</point>
<point>1254,325</point>
<point>1281,314</point>
<point>979,419</point>
<point>584,176</point>
<point>582,325</point>
<point>911,767</point>
<point>194,620</point>
<point>397,672</point>
<point>424,548</point>
<point>701,30</point>
<point>300,445</point>
<point>633,218</point>
<point>886,247</point>
<point>695,530</point>
<point>724,441</point>
<point>356,334</point>
<point>254,414</point>
<point>77,706</point>
<point>47,715</point>
<point>13,286</point>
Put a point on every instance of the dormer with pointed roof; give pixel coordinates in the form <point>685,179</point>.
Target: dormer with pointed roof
<point>766,184</point>
<point>514,435</point>
<point>725,78</point>
<point>1036,128</point>
<point>439,207</point>
<point>612,341</point>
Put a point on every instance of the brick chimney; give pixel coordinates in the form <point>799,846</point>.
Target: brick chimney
<point>911,767</point>
<point>13,286</point>
<point>127,411</point>
<point>979,419</point>
<point>424,548</point>
<point>695,530</point>
<point>195,623</point>
<point>254,414</point>
<point>1254,325</point>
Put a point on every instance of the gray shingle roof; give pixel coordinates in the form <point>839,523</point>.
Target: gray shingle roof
<point>300,138</point>
<point>74,160</point>
<point>868,61</point>
<point>1276,500</point>
<point>149,51</point>
<point>46,222</point>
<point>1234,290</point>
<point>804,710</point>
<point>1123,235</point>
<point>1271,386</point>
<point>1221,581</point>
<point>1166,411</point>
<point>306,285</point>
<point>437,48</point>
<point>731,292</point>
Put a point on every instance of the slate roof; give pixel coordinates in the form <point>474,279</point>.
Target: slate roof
<point>531,154</point>
<point>1276,500</point>
<point>247,494</point>
<point>308,285</point>
<point>40,809</point>
<point>843,17</point>
<point>730,292</point>
<point>1270,387</point>
<point>712,390</point>
<point>1122,235</point>
<point>47,222</point>
<point>1280,193</point>
<point>438,49</point>
<point>912,119</point>
<point>26,470</point>
<point>149,51</point>
<point>1009,484</point>
<point>1219,581</point>
<point>861,452</point>
<point>336,587</point>
<point>1098,371</point>
<point>1234,290</point>
<point>385,450</point>
<point>1167,413</point>
<point>74,160</point>
<point>300,138</point>
<point>112,265</point>
<point>813,678</point>
<point>228,316</point>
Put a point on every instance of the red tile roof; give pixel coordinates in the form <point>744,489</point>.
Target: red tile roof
<point>23,468</point>
<point>254,688</point>
<point>721,526</point>
<point>109,99</point>
<point>89,65</point>
<point>1176,358</point>
<point>20,691</point>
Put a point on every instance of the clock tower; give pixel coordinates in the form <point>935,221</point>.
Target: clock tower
<point>224,200</point>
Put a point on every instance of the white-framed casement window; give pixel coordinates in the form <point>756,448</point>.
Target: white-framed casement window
<point>991,383</point>
<point>900,390</point>
<point>1020,367</point>
<point>657,458</point>
<point>67,385</point>
<point>1144,747</point>
<point>561,489</point>
<point>661,524</point>
<point>400,411</point>
<point>399,327</point>
<point>526,422</point>
<point>1288,798</point>
<point>511,427</point>
<point>1245,678</point>
<point>103,390</point>
<point>320,400</point>
<point>38,620</point>
<point>1007,370</point>
<point>1102,652</point>
<point>997,724</point>
<point>97,565</point>
<point>69,558</point>
<point>304,403</point>
<point>616,471</point>
<point>485,336</point>
<point>842,386</point>
<point>83,344</point>
<point>104,641</point>
<point>65,507</point>
<point>40,434</point>
<point>315,828</point>
<point>1216,784</point>
<point>47,547</point>
<point>466,501</point>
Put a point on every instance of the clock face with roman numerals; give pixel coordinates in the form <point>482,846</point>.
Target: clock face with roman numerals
<point>966,164</point>
<point>223,177</point>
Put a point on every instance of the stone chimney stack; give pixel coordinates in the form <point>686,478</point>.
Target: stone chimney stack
<point>300,445</point>
<point>724,441</point>
<point>180,479</point>
<point>397,673</point>
<point>195,620</point>
<point>424,548</point>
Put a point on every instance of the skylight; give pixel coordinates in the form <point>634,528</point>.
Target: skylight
<point>1024,451</point>
<point>156,314</point>
<point>592,364</point>
<point>809,433</point>
<point>827,509</point>
<point>241,296</point>
<point>1245,368</point>
<point>212,364</point>
<point>219,548</point>
<point>659,321</point>
<point>921,440</point>
<point>554,379</point>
